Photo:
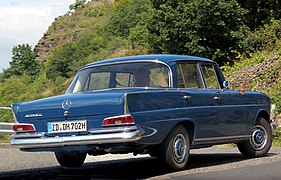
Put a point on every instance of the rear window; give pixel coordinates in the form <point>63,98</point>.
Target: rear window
<point>137,74</point>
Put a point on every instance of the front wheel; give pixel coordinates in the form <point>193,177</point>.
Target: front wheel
<point>70,159</point>
<point>174,150</point>
<point>259,143</point>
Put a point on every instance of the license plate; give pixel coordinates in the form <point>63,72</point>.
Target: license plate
<point>67,126</point>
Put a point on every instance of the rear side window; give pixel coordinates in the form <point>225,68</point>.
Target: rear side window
<point>210,76</point>
<point>188,76</point>
<point>98,81</point>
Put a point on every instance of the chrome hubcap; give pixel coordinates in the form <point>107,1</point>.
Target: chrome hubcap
<point>179,150</point>
<point>259,137</point>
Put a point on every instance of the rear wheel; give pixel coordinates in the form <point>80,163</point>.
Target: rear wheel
<point>70,159</point>
<point>259,143</point>
<point>174,150</point>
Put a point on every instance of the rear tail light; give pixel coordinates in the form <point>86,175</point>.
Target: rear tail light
<point>23,127</point>
<point>118,121</point>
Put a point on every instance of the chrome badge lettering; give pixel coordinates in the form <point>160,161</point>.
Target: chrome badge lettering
<point>66,104</point>
<point>33,115</point>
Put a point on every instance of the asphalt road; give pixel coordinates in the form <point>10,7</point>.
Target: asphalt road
<point>209,163</point>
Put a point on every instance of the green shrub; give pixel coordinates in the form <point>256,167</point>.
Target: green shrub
<point>96,11</point>
<point>265,37</point>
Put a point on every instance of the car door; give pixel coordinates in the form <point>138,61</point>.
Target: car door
<point>199,101</point>
<point>232,117</point>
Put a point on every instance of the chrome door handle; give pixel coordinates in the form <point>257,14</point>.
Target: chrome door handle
<point>216,98</point>
<point>187,97</point>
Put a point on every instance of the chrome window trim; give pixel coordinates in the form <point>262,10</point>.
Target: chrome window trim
<point>204,82</point>
<point>126,108</point>
<point>170,73</point>
<point>218,82</point>
<point>201,75</point>
<point>192,60</point>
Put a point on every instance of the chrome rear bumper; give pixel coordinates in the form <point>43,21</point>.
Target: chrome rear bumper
<point>96,137</point>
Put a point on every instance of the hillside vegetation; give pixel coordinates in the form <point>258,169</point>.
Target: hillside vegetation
<point>237,34</point>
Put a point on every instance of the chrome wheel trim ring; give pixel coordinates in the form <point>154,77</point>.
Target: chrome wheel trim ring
<point>179,148</point>
<point>259,137</point>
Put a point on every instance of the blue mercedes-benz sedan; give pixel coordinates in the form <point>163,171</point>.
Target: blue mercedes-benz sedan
<point>162,105</point>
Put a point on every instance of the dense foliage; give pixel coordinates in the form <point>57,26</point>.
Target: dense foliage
<point>209,28</point>
<point>260,11</point>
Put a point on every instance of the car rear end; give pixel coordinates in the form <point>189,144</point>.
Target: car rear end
<point>83,119</point>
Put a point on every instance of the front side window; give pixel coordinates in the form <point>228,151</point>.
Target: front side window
<point>210,77</point>
<point>188,76</point>
<point>136,74</point>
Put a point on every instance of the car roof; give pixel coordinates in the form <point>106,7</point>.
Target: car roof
<point>160,57</point>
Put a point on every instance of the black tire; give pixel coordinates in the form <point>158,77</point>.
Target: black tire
<point>174,150</point>
<point>70,159</point>
<point>260,142</point>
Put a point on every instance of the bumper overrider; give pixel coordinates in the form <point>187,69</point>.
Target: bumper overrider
<point>110,135</point>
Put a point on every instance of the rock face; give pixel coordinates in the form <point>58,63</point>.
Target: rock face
<point>66,28</point>
<point>47,43</point>
<point>44,47</point>
<point>260,77</point>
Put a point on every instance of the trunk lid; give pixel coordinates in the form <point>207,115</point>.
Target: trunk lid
<point>76,105</point>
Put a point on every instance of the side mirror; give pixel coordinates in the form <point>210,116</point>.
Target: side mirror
<point>225,84</point>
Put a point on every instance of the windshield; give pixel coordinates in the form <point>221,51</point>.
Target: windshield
<point>136,74</point>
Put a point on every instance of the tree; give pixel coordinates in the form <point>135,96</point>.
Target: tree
<point>67,58</point>
<point>126,15</point>
<point>77,4</point>
<point>209,28</point>
<point>261,11</point>
<point>59,63</point>
<point>23,62</point>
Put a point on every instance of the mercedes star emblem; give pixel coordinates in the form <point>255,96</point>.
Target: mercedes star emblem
<point>66,104</point>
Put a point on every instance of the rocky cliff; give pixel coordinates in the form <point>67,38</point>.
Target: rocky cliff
<point>260,77</point>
